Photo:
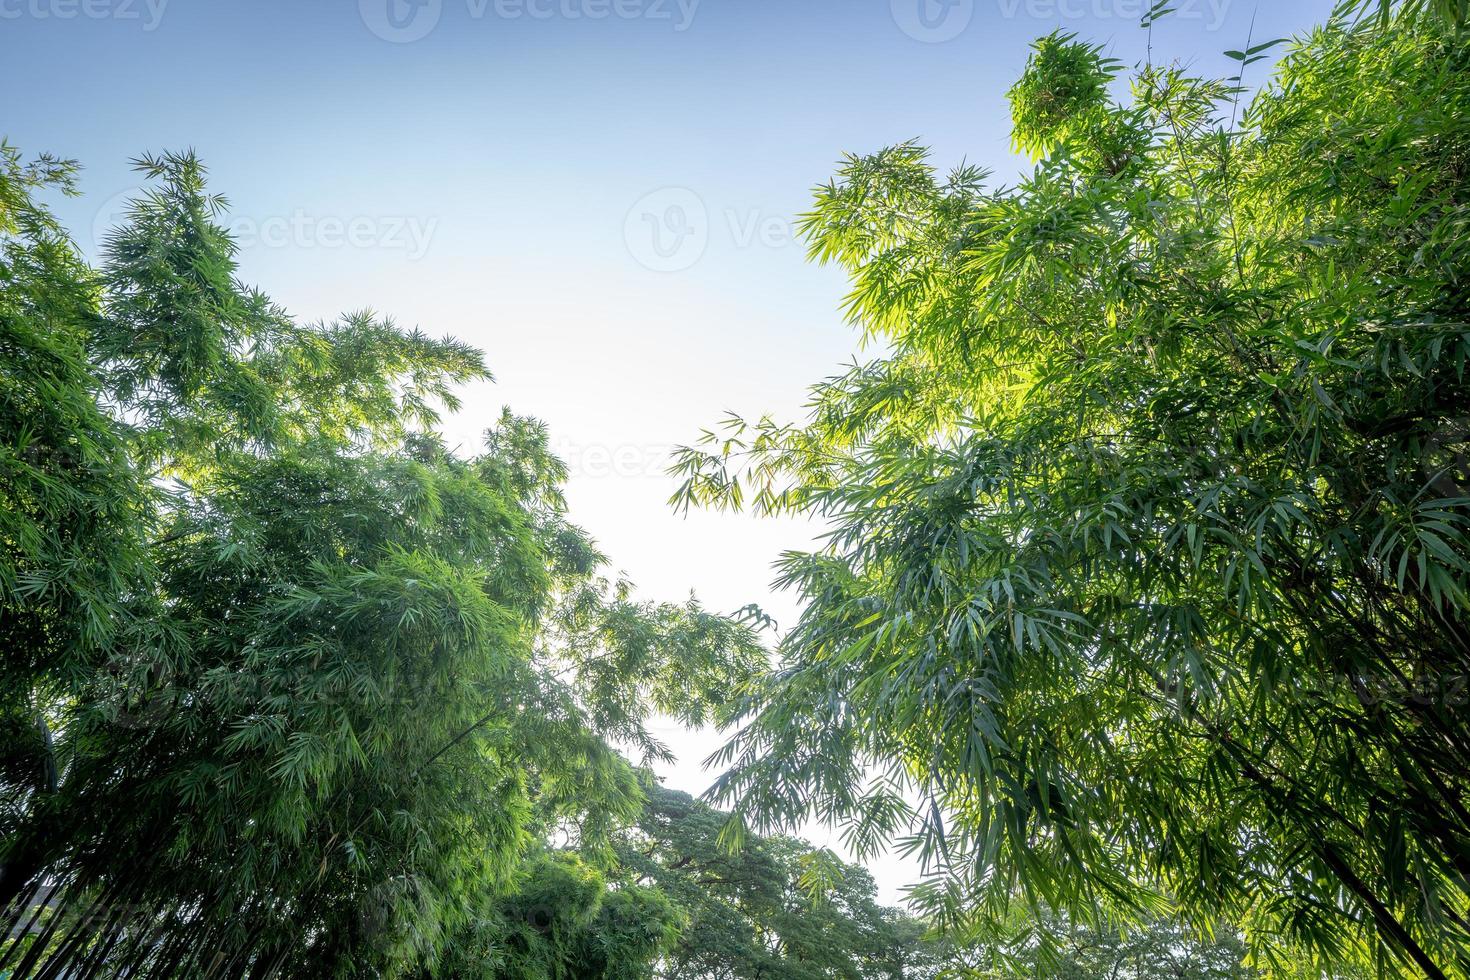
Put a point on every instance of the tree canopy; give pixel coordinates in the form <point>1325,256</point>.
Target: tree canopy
<point>1144,585</point>
<point>776,909</point>
<point>677,904</point>
<point>563,921</point>
<point>289,686</point>
<point>1141,616</point>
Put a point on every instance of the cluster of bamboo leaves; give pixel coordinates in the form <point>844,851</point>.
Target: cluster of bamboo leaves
<point>286,686</point>
<point>1146,583</point>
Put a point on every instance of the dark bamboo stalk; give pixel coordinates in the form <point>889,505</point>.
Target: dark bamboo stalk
<point>38,948</point>
<point>99,955</point>
<point>15,943</point>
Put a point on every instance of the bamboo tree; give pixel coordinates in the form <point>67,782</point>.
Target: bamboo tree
<point>347,677</point>
<point>1149,537</point>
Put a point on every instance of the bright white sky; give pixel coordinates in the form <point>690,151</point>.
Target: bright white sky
<point>598,194</point>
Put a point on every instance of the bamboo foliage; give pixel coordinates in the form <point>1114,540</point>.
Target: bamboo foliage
<point>294,689</point>
<point>1149,535</point>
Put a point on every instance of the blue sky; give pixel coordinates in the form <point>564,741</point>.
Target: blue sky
<point>599,193</point>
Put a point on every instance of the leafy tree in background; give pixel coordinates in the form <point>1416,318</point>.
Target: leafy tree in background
<point>289,688</point>
<point>680,905</point>
<point>1149,538</point>
<point>776,909</point>
<point>1158,950</point>
<point>563,922</point>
